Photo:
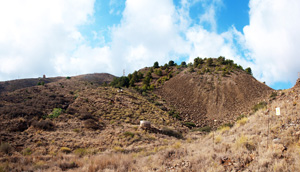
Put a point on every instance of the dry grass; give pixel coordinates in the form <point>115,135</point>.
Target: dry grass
<point>247,146</point>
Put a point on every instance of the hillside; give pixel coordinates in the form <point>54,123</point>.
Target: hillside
<point>82,124</point>
<point>208,89</point>
<point>211,96</point>
<point>9,86</point>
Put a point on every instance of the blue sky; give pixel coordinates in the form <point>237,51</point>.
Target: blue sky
<point>71,37</point>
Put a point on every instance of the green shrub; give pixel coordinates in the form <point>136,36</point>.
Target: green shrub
<point>55,113</point>
<point>240,117</point>
<point>189,124</point>
<point>68,77</point>
<point>248,70</point>
<point>26,152</point>
<point>273,95</point>
<point>191,69</point>
<point>80,151</point>
<point>128,134</point>
<point>158,72</point>
<point>65,150</point>
<point>260,105</point>
<point>174,114</point>
<point>203,129</point>
<point>183,64</point>
<point>170,132</point>
<point>209,61</point>
<point>171,63</point>
<point>156,65</point>
<point>120,82</point>
<point>227,125</point>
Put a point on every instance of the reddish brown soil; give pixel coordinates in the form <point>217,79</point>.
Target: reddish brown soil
<point>203,98</point>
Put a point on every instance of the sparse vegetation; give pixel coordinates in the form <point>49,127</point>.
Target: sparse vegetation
<point>5,148</point>
<point>43,125</point>
<point>55,113</point>
<point>203,129</point>
<point>171,132</point>
<point>65,150</point>
<point>273,95</point>
<point>99,129</point>
<point>260,105</point>
<point>189,124</point>
<point>26,152</point>
<point>248,70</point>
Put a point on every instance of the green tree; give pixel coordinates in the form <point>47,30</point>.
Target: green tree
<point>120,82</point>
<point>198,61</point>
<point>248,70</point>
<point>171,63</point>
<point>156,65</point>
<point>158,72</point>
<point>221,60</point>
<point>209,61</point>
<point>146,81</point>
<point>183,64</point>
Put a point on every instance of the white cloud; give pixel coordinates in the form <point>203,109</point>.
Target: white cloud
<point>84,60</point>
<point>33,32</point>
<point>148,32</point>
<point>42,37</point>
<point>273,39</point>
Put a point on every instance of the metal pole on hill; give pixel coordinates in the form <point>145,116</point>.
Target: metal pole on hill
<point>214,135</point>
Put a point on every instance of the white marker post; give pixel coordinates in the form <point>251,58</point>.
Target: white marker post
<point>278,111</point>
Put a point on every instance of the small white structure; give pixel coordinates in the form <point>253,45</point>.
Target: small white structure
<point>145,124</point>
<point>278,111</point>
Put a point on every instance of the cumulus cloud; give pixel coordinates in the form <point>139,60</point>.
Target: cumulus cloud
<point>149,31</point>
<point>34,32</point>
<point>42,37</point>
<point>273,39</point>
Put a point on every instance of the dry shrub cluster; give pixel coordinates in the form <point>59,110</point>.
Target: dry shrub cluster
<point>43,125</point>
<point>114,162</point>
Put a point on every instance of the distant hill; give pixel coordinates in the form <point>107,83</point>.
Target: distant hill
<point>9,86</point>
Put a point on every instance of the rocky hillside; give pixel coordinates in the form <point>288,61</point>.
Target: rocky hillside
<point>201,98</point>
<point>199,93</point>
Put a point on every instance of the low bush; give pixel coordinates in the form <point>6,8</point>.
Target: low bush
<point>203,129</point>
<point>55,113</point>
<point>240,117</point>
<point>242,121</point>
<point>26,152</point>
<point>171,132</point>
<point>226,125</point>
<point>189,124</point>
<point>43,125</point>
<point>85,116</point>
<point>67,165</point>
<point>80,152</point>
<point>260,105</point>
<point>5,148</point>
<point>174,114</point>
<point>273,95</point>
<point>128,134</point>
<point>91,124</point>
<point>65,150</point>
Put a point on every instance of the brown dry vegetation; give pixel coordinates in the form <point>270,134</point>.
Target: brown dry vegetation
<point>75,125</point>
